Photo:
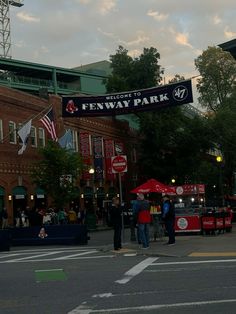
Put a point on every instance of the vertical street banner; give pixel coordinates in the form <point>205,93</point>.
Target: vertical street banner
<point>85,151</point>
<point>108,153</point>
<point>98,157</point>
<point>120,150</point>
<point>150,99</point>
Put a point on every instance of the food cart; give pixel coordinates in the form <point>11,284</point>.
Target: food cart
<point>187,220</point>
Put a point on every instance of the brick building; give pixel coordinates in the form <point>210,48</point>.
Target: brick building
<point>111,135</point>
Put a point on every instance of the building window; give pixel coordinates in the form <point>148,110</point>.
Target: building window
<point>75,140</point>
<point>133,155</point>
<point>33,137</point>
<point>12,132</point>
<point>1,131</point>
<point>41,137</point>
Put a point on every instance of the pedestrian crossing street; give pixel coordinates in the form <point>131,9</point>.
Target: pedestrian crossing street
<point>55,254</point>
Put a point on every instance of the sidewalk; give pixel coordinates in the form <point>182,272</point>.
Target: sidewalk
<point>223,244</point>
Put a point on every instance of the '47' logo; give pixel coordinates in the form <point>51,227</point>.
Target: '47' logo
<point>180,93</point>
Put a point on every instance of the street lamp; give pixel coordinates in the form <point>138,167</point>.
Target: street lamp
<point>91,171</point>
<point>219,160</point>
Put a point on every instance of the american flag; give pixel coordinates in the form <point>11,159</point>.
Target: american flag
<point>48,121</point>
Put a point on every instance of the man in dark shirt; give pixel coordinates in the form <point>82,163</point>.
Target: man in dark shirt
<point>168,215</point>
<point>116,221</point>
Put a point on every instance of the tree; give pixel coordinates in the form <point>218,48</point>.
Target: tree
<point>130,74</point>
<point>174,145</point>
<point>57,172</point>
<point>218,77</point>
<point>225,131</point>
<point>217,87</point>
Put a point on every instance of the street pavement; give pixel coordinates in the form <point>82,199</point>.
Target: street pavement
<point>195,245</point>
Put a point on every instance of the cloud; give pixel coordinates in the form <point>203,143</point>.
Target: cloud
<point>107,6</point>
<point>140,40</point>
<point>157,16</point>
<point>42,50</point>
<point>216,20</point>
<point>229,34</point>
<point>134,53</point>
<point>25,17</point>
<point>181,38</point>
<point>107,34</point>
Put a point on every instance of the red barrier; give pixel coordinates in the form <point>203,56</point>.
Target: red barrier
<point>188,223</point>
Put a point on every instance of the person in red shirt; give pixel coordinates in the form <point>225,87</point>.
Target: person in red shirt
<point>144,219</point>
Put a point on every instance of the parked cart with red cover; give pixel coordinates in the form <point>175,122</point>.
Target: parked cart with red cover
<point>186,220</point>
<point>208,223</point>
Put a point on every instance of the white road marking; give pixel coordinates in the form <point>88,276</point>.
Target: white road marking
<point>137,269</point>
<point>53,269</point>
<point>103,295</point>
<point>55,259</point>
<point>8,255</point>
<point>31,257</point>
<point>71,248</point>
<point>75,255</point>
<point>196,262</point>
<point>82,309</point>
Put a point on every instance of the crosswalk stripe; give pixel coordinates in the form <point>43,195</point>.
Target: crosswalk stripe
<point>74,255</point>
<point>8,255</point>
<point>214,254</point>
<point>33,256</point>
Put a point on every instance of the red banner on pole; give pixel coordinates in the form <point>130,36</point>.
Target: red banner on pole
<point>85,150</point>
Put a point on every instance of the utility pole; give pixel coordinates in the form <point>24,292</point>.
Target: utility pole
<point>5,27</point>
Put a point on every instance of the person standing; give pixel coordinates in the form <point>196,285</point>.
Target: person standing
<point>168,215</point>
<point>144,219</point>
<point>116,221</point>
<point>4,218</point>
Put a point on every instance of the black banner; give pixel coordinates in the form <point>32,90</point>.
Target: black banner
<point>128,102</point>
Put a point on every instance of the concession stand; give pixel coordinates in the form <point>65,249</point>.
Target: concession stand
<point>188,201</point>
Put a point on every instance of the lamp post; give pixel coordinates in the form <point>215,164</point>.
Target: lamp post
<point>92,171</point>
<point>219,160</point>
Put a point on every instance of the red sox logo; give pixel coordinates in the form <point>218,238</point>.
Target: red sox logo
<point>70,107</point>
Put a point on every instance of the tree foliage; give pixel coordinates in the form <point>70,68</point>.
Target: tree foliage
<point>218,77</point>
<point>217,88</point>
<point>173,145</point>
<point>48,173</point>
<point>134,73</point>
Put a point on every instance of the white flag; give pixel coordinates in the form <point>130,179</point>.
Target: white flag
<point>23,133</point>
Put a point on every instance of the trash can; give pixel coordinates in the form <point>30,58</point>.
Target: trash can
<point>219,221</point>
<point>4,240</point>
<point>228,222</point>
<point>208,223</point>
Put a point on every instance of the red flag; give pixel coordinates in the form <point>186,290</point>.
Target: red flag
<point>48,121</point>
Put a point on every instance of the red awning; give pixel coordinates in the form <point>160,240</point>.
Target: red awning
<point>153,186</point>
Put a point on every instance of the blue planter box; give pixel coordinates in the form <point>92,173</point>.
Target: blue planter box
<point>4,240</point>
<point>52,234</point>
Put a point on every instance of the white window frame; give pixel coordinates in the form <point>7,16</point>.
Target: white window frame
<point>33,138</point>
<point>13,132</point>
<point>41,140</point>
<point>75,140</point>
<point>1,131</point>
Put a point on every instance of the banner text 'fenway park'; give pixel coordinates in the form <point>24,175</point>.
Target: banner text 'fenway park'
<point>128,102</point>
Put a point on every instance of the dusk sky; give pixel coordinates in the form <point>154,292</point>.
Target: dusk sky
<point>69,33</point>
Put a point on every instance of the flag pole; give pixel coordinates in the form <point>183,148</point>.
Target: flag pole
<point>31,118</point>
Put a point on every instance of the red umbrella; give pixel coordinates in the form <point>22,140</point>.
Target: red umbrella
<point>153,186</point>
